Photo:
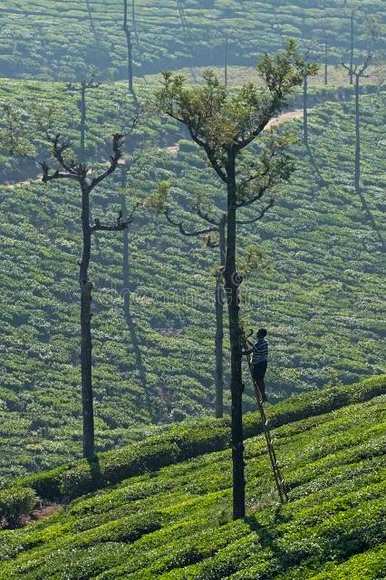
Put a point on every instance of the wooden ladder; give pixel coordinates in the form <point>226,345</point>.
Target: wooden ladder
<point>278,477</point>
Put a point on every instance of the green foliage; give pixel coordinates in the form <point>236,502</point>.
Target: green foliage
<point>14,503</point>
<point>285,70</point>
<point>218,118</point>
<point>368,566</point>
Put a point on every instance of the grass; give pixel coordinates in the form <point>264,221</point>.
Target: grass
<point>175,522</point>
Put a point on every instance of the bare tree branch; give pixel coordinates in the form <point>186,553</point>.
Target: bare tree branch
<point>75,170</point>
<point>259,175</point>
<point>183,231</point>
<point>259,216</point>
<point>241,143</point>
<point>205,216</point>
<point>210,152</point>
<point>114,160</point>
<point>366,64</point>
<point>55,175</point>
<point>258,195</point>
<point>85,84</point>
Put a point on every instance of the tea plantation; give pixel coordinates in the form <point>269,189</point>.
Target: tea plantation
<point>163,507</point>
<point>62,38</point>
<point>105,205</point>
<point>316,280</point>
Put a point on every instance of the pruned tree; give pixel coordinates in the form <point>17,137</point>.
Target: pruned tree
<point>87,179</point>
<point>128,31</point>
<point>88,83</point>
<point>224,123</point>
<point>214,236</point>
<point>358,72</point>
<point>352,46</point>
<point>352,8</point>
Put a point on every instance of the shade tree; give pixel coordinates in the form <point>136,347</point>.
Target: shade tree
<point>129,29</point>
<point>212,230</point>
<point>359,71</point>
<point>87,178</point>
<point>225,123</point>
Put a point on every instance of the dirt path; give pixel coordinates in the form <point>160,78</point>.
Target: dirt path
<point>9,185</point>
<point>173,150</point>
<point>285,118</point>
<point>41,512</point>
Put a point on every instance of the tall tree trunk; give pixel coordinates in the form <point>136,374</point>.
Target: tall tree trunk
<point>358,165</point>
<point>129,45</point>
<point>232,283</point>
<point>326,62</point>
<point>85,326</point>
<point>305,110</point>
<point>352,43</point>
<point>134,20</point>
<point>226,61</point>
<point>219,341</point>
<point>357,136</point>
<point>83,120</point>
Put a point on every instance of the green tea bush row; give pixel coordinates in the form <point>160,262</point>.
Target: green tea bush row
<point>367,566</point>
<point>177,523</point>
<point>185,441</point>
<point>308,293</point>
<point>63,39</point>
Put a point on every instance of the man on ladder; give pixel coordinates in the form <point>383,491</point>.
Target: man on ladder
<point>260,361</point>
<point>257,355</point>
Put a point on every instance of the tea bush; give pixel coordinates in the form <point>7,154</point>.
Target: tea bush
<point>61,40</point>
<point>189,440</point>
<point>176,523</point>
<point>317,286</point>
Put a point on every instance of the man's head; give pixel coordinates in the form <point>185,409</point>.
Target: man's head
<point>262,333</point>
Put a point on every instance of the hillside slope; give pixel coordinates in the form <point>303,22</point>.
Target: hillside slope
<point>175,523</point>
<point>318,287</point>
<point>60,39</point>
